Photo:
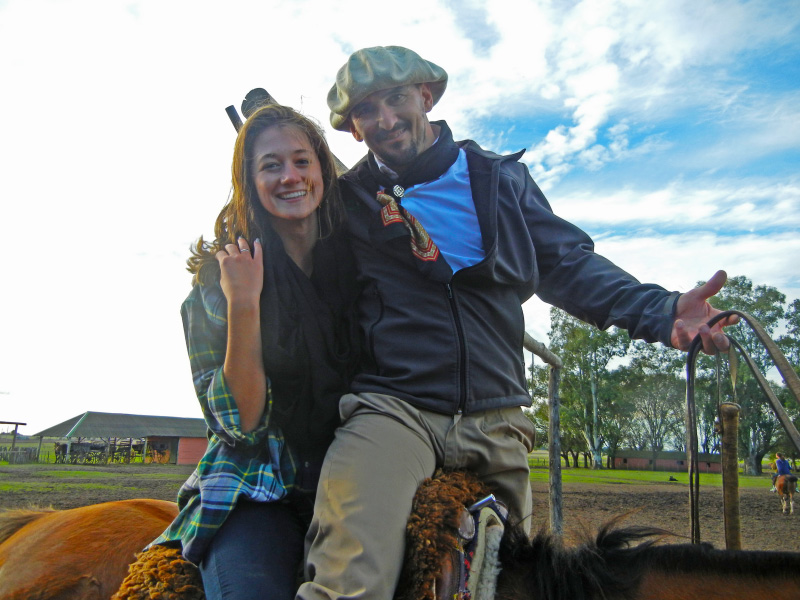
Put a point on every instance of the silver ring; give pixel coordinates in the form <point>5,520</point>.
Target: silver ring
<point>243,250</point>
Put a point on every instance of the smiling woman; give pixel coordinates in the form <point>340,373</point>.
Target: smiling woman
<point>288,177</point>
<point>273,296</point>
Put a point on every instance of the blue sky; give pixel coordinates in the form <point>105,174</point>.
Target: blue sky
<point>669,130</point>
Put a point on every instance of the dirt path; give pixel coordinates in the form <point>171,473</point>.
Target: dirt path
<point>585,507</point>
<point>764,527</point>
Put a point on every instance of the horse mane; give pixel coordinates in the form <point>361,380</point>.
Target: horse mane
<point>542,567</point>
<point>14,519</point>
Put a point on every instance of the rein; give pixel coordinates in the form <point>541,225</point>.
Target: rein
<point>790,378</point>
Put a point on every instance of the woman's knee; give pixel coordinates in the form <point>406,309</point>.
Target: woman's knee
<point>257,553</point>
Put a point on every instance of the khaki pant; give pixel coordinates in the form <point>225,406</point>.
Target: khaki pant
<point>381,454</point>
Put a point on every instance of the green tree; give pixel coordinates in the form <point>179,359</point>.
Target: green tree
<point>571,439</point>
<point>585,381</point>
<point>758,427</point>
<point>790,346</point>
<point>654,392</point>
<point>619,415</point>
<point>790,341</point>
<point>641,404</point>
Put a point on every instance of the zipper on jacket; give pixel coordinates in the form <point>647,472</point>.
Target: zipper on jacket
<point>373,325</point>
<point>462,359</point>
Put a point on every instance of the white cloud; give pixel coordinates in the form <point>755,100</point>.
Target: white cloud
<point>679,261</point>
<point>648,60</point>
<point>116,152</point>
<point>730,206</point>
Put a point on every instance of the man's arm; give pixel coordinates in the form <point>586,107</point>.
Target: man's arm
<point>595,290</point>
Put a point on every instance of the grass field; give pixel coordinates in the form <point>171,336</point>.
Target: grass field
<point>67,486</point>
<point>5,440</point>
<point>538,461</point>
<point>539,473</point>
<point>611,476</point>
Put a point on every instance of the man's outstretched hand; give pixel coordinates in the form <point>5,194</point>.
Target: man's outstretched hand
<point>694,311</point>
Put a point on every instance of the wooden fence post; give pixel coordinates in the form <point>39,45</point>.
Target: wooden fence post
<point>554,430</point>
<point>729,413</point>
<point>556,498</point>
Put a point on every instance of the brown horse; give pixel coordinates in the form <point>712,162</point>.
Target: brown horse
<point>82,553</point>
<point>79,554</point>
<point>619,564</point>
<point>786,486</point>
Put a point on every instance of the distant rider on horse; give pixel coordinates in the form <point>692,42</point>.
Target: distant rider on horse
<point>781,466</point>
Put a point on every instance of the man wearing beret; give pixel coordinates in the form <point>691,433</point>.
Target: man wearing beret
<point>450,240</point>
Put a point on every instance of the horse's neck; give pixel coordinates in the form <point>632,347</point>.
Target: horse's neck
<point>662,585</point>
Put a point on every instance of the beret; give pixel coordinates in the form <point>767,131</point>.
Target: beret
<point>379,68</point>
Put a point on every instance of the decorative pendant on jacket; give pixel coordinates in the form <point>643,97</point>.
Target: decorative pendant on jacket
<point>422,246</point>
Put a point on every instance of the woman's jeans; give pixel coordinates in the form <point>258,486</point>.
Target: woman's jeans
<point>257,554</point>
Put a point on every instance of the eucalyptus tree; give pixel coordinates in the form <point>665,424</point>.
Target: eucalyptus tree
<point>758,427</point>
<point>655,384</point>
<point>619,415</point>
<point>650,385</point>
<point>790,345</point>
<point>790,341</point>
<point>572,442</point>
<point>586,353</point>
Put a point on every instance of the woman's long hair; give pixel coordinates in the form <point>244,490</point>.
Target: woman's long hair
<point>243,215</point>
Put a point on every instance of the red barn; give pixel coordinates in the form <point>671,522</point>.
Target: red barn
<point>647,460</point>
<point>124,437</point>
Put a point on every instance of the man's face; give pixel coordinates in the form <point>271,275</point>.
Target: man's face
<point>394,124</point>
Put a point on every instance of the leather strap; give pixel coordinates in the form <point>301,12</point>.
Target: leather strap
<point>784,368</point>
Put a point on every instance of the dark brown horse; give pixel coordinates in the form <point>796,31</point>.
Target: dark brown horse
<point>617,564</point>
<point>626,564</point>
<point>786,486</point>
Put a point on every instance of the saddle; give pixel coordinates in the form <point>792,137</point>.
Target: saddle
<point>452,540</point>
<point>790,480</point>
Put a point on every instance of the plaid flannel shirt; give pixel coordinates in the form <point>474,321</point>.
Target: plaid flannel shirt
<point>254,466</point>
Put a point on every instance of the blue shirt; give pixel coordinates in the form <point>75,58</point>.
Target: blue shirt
<point>447,212</point>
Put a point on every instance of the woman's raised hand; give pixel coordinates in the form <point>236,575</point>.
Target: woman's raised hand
<point>241,272</point>
<point>241,278</point>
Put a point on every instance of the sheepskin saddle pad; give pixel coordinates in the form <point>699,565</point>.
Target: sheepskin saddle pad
<point>452,540</point>
<point>161,573</point>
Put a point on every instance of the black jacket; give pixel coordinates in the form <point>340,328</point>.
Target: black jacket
<point>453,344</point>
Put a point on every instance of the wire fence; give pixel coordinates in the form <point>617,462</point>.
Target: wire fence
<point>18,456</point>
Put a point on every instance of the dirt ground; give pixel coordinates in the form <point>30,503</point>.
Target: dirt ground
<point>70,486</point>
<point>585,508</point>
<point>763,526</point>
